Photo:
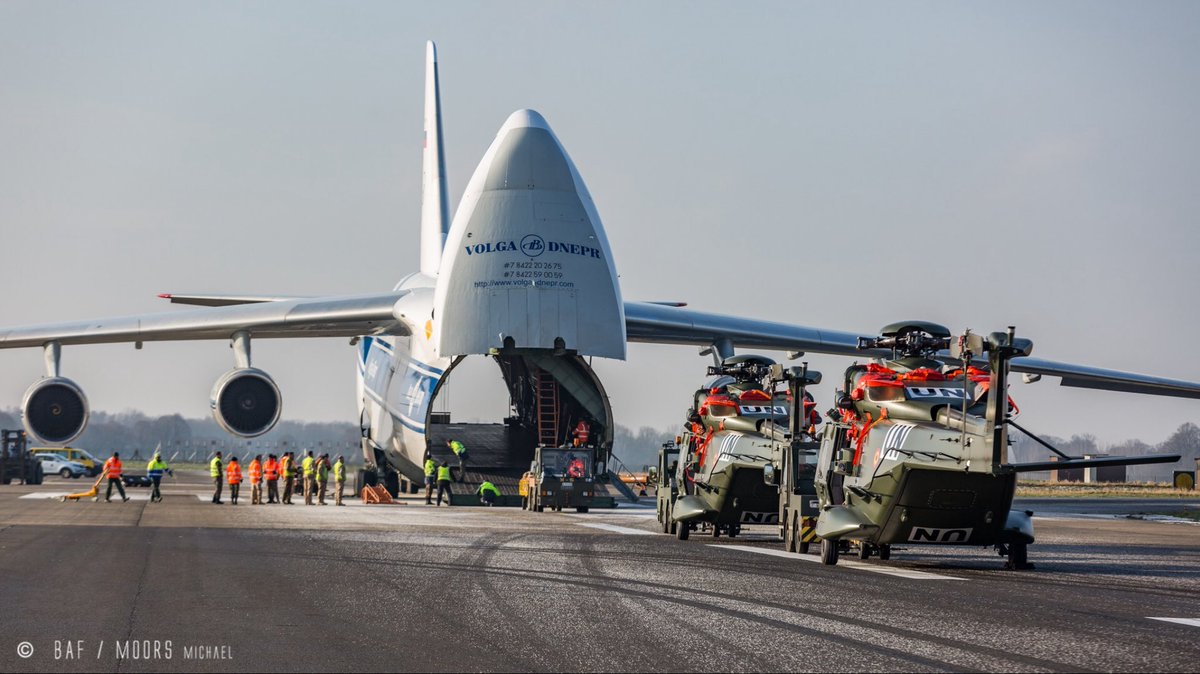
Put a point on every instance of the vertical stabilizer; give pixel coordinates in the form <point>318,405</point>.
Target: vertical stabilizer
<point>435,221</point>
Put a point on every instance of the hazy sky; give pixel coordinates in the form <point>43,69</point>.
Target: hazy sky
<point>977,165</point>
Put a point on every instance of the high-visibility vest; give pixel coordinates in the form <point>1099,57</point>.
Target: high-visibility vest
<point>430,467</point>
<point>214,467</point>
<point>289,467</point>
<point>233,473</point>
<point>443,473</point>
<point>307,465</point>
<point>155,468</point>
<point>339,471</point>
<point>113,466</point>
<point>458,447</point>
<point>488,487</point>
<point>255,472</point>
<point>322,470</point>
<point>271,469</point>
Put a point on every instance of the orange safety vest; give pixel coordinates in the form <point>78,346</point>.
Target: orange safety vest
<point>581,432</point>
<point>233,473</point>
<point>113,466</point>
<point>255,472</point>
<point>271,467</point>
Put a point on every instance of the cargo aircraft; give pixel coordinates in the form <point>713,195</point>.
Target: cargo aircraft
<point>523,274</point>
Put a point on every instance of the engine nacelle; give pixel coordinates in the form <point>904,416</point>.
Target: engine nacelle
<point>54,411</point>
<point>246,402</point>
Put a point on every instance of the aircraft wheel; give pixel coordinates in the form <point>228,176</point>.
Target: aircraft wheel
<point>682,529</point>
<point>885,552</point>
<point>829,552</point>
<point>716,531</point>
<point>665,519</point>
<point>734,530</point>
<point>671,513</point>
<point>581,509</point>
<point>864,550</point>
<point>789,536</point>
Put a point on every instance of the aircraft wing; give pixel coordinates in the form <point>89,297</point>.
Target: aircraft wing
<point>663,324</point>
<point>657,323</point>
<point>348,316</point>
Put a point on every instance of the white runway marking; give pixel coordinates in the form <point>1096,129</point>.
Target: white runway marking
<point>1193,622</point>
<point>616,529</point>
<point>885,570</point>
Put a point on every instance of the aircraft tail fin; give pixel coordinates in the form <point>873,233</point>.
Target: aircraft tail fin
<point>435,221</point>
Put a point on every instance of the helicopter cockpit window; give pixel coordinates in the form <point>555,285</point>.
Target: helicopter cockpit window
<point>723,410</point>
<point>885,394</point>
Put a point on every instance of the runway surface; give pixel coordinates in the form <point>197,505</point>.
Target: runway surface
<point>410,587</point>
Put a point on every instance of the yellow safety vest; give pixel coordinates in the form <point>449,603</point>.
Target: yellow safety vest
<point>430,468</point>
<point>214,467</point>
<point>443,473</point>
<point>339,471</point>
<point>307,465</point>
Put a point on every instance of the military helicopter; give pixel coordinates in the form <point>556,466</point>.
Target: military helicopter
<point>732,427</point>
<point>917,448</point>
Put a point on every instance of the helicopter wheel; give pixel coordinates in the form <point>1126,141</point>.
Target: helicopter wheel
<point>789,536</point>
<point>1018,557</point>
<point>864,550</point>
<point>716,532</point>
<point>665,519</point>
<point>682,529</point>
<point>829,552</point>
<point>734,530</point>
<point>674,527</point>
<point>885,552</point>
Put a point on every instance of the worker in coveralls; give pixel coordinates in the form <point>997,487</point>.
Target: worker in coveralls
<point>256,475</point>
<point>488,493</point>
<point>271,475</point>
<point>155,470</point>
<point>443,475</point>
<point>288,466</point>
<point>339,479</point>
<point>233,474</point>
<point>216,470</point>
<point>430,479</point>
<point>306,469</point>
<point>112,468</point>
<point>460,450</point>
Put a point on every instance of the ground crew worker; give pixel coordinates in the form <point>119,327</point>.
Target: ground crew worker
<point>271,474</point>
<point>488,493</point>
<point>233,473</point>
<point>112,468</point>
<point>430,471</point>
<point>460,450</point>
<point>581,433</point>
<point>321,473</point>
<point>443,476</point>
<point>217,471</point>
<point>339,479</point>
<point>306,468</point>
<point>155,470</point>
<point>288,465</point>
<point>256,475</point>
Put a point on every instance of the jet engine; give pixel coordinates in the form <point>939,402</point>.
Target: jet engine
<point>246,402</point>
<point>54,411</point>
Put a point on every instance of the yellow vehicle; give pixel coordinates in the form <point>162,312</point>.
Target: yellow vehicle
<point>81,456</point>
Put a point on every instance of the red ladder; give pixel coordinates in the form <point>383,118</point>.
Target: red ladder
<point>547,408</point>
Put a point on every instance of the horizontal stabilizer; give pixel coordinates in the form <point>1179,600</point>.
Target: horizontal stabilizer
<point>226,300</point>
<point>1094,463</point>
